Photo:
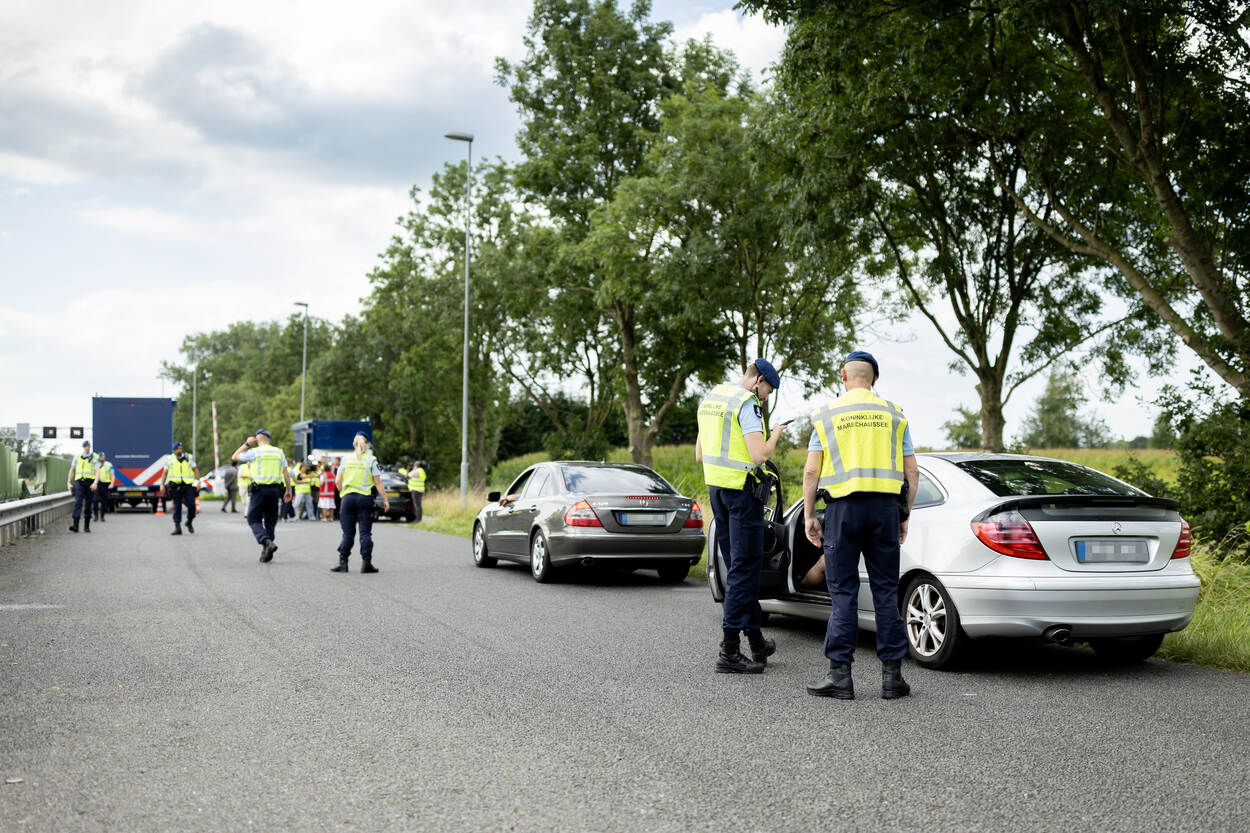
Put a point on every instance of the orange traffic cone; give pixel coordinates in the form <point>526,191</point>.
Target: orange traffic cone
<point>159,510</point>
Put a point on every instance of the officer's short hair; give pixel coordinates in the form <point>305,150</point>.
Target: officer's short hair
<point>753,372</point>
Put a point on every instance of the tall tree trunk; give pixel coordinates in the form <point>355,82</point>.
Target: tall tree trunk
<point>635,417</point>
<point>990,389</point>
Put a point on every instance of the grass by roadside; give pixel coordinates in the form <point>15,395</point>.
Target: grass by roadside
<point>1219,635</point>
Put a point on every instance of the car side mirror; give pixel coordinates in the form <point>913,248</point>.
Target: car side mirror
<point>493,497</point>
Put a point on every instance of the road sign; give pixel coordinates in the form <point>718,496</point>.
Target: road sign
<point>23,430</point>
<point>75,431</point>
<point>49,432</point>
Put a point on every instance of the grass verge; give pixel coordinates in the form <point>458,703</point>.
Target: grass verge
<point>1219,635</point>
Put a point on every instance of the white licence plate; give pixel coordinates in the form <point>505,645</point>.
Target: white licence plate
<point>644,519</point>
<point>1112,551</point>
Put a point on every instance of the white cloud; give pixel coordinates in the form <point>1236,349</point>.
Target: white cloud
<point>756,43</point>
<point>34,171</point>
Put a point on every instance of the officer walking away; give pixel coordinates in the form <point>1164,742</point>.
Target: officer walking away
<point>732,447</point>
<point>271,485</point>
<point>230,482</point>
<point>83,479</point>
<point>179,482</point>
<point>860,458</point>
<point>358,474</point>
<point>102,490</point>
<point>416,486</point>
<point>245,484</point>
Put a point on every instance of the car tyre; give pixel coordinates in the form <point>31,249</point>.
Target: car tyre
<point>540,558</point>
<point>673,573</point>
<point>410,515</point>
<point>931,622</point>
<point>1126,650</point>
<point>480,557</point>
<point>715,570</point>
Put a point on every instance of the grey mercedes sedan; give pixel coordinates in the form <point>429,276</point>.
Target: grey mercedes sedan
<point>575,512</point>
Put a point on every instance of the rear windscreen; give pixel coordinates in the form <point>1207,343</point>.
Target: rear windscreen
<point>615,481</point>
<point>1044,477</point>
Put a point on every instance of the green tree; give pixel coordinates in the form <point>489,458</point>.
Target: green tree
<point>1056,421</point>
<point>1129,121</point>
<point>965,430</point>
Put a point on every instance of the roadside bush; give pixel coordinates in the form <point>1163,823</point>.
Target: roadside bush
<point>1141,474</point>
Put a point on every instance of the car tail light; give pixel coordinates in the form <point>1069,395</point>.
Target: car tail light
<point>1184,542</point>
<point>580,514</point>
<point>1010,534</point>
<point>696,516</point>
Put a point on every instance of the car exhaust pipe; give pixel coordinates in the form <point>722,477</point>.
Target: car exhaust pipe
<point>587,561</point>
<point>1057,633</point>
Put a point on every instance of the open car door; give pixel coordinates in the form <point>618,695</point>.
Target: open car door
<point>775,572</point>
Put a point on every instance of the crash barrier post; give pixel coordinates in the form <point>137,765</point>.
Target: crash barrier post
<point>21,518</point>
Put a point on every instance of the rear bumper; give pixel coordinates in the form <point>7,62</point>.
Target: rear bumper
<point>1025,607</point>
<point>575,545</point>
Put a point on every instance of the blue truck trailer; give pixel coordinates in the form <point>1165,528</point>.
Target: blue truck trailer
<point>135,433</point>
<point>317,438</point>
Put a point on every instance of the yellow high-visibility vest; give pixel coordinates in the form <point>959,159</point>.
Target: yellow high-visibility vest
<point>106,472</point>
<point>245,475</point>
<point>861,436</point>
<point>268,463</point>
<point>84,467</point>
<point>357,475</point>
<point>416,480</point>
<point>303,486</point>
<point>726,459</point>
<point>180,470</point>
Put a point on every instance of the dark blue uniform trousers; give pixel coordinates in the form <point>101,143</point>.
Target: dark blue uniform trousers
<point>740,536</point>
<point>181,493</point>
<point>864,522</point>
<point>356,510</point>
<point>82,500</point>
<point>262,510</point>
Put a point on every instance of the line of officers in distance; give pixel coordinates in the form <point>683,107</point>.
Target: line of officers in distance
<point>270,482</point>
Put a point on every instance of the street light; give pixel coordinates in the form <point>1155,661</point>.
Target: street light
<point>464,398</point>
<point>303,368</point>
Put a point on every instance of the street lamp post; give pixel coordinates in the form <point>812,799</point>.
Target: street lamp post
<point>303,367</point>
<point>464,397</point>
<point>195,385</point>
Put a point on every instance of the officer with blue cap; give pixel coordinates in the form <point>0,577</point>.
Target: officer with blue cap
<point>731,446</point>
<point>84,478</point>
<point>179,484</point>
<point>271,484</point>
<point>859,461</point>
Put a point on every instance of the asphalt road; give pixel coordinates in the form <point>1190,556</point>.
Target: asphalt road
<point>158,683</point>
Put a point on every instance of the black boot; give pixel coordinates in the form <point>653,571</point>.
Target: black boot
<point>761,646</point>
<point>177,529</point>
<point>731,660</point>
<point>342,568</point>
<point>86,524</point>
<point>367,566</point>
<point>190,528</point>
<point>267,548</point>
<point>837,683</point>
<point>893,685</point>
<point>73,527</point>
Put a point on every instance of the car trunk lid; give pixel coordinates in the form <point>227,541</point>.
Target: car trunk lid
<point>641,514</point>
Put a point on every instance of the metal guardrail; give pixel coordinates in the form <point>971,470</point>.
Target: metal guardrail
<point>20,518</point>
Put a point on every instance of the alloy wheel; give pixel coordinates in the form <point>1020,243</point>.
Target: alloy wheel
<point>926,619</point>
<point>540,562</point>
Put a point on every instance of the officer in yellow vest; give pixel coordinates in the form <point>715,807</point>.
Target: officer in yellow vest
<point>357,476</point>
<point>416,486</point>
<point>271,485</point>
<point>83,480</point>
<point>181,474</point>
<point>245,484</point>
<point>731,446</point>
<point>858,460</point>
<point>102,490</point>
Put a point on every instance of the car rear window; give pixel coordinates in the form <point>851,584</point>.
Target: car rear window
<point>1043,477</point>
<point>611,480</point>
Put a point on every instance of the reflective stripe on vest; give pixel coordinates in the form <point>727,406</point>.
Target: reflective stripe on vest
<point>861,435</point>
<point>357,475</point>
<point>269,462</point>
<point>245,474</point>
<point>303,486</point>
<point>180,470</point>
<point>726,459</point>
<point>106,472</point>
<point>416,480</point>
<point>84,467</point>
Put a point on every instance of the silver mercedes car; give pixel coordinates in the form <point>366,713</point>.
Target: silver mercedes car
<point>575,512</point>
<point>1007,545</point>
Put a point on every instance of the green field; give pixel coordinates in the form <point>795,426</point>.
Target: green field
<point>1219,635</point>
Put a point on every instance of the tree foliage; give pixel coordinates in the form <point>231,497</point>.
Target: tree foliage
<point>1056,421</point>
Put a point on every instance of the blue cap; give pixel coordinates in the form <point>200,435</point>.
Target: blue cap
<point>766,369</point>
<point>86,443</point>
<point>362,434</point>
<point>263,431</point>
<point>864,356</point>
<point>177,445</point>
